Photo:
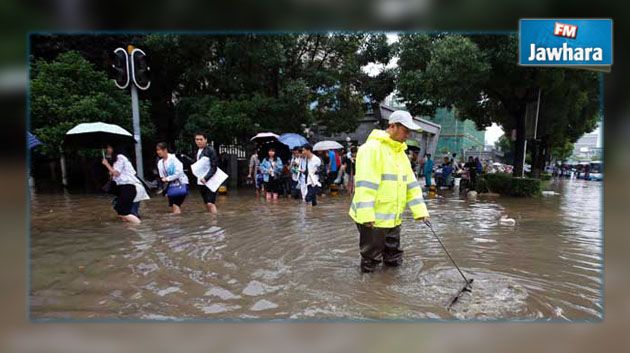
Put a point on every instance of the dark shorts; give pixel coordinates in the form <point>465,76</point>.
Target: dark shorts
<point>207,195</point>
<point>331,177</point>
<point>124,203</point>
<point>272,185</point>
<point>311,195</point>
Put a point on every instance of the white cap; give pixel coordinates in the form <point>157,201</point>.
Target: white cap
<point>403,117</point>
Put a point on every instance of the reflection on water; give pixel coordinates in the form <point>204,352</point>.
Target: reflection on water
<point>283,259</point>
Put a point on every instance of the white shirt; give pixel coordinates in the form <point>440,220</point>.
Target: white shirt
<point>172,161</point>
<point>313,164</point>
<point>127,174</point>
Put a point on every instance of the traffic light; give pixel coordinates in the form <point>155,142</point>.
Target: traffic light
<point>140,70</point>
<point>120,68</point>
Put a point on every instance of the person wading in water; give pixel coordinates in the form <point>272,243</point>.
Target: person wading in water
<point>384,185</point>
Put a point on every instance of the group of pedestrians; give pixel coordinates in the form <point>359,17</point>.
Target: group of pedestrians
<point>450,168</point>
<point>129,189</point>
<point>302,173</point>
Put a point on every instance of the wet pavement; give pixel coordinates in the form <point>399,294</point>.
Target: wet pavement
<point>286,260</point>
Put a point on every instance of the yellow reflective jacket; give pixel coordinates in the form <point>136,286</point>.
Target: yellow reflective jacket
<point>385,183</point>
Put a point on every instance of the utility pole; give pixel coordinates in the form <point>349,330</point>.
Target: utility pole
<point>135,115</point>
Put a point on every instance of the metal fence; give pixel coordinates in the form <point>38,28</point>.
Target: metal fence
<point>237,150</point>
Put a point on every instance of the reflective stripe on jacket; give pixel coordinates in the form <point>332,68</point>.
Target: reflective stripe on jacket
<point>385,183</point>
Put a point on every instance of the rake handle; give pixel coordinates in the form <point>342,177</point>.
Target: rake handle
<point>428,223</point>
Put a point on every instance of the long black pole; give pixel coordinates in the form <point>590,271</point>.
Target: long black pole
<point>428,223</point>
<point>467,287</point>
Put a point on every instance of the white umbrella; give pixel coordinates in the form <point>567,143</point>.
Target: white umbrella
<point>327,145</point>
<point>264,135</point>
<point>97,134</point>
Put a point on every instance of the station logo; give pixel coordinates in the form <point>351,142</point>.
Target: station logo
<point>565,42</point>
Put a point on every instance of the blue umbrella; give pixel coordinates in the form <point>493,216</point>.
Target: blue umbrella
<point>32,140</point>
<point>293,140</point>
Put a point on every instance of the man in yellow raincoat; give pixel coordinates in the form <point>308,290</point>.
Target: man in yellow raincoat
<point>385,185</point>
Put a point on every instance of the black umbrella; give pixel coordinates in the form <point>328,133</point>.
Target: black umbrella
<point>96,135</point>
<point>282,150</point>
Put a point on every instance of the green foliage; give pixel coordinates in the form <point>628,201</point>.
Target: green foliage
<point>506,184</point>
<point>279,81</point>
<point>526,187</point>
<point>68,91</point>
<point>441,71</point>
<point>225,84</point>
<point>221,119</point>
<point>481,185</point>
<point>569,108</point>
<point>506,145</point>
<point>499,182</point>
<point>479,76</point>
<point>376,51</point>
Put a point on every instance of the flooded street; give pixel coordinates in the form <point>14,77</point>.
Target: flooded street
<point>285,260</point>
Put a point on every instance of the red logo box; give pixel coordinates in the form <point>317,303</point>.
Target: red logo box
<point>565,30</point>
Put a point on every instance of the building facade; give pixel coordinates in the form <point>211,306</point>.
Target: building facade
<point>457,136</point>
<point>487,153</point>
<point>589,146</point>
<point>427,138</point>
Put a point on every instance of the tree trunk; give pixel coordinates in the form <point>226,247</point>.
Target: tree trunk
<point>519,145</point>
<point>53,170</point>
<point>538,162</point>
<point>546,155</point>
<point>539,159</point>
<point>376,109</point>
<point>64,174</point>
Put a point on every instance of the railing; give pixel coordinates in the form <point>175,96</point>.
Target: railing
<point>237,150</point>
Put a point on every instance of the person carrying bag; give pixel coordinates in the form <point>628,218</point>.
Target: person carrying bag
<point>172,174</point>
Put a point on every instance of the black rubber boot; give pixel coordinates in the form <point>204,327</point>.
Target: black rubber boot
<point>378,244</point>
<point>392,253</point>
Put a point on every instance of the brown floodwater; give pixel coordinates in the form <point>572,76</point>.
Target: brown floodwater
<point>283,259</point>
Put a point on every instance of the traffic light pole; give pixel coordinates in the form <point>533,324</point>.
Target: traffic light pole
<point>135,111</point>
<point>125,76</point>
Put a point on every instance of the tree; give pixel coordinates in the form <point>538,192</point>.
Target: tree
<point>563,152</point>
<point>375,88</point>
<point>569,108</point>
<point>505,145</point>
<point>479,76</point>
<point>233,85</point>
<point>279,81</point>
<point>69,90</point>
<point>243,80</point>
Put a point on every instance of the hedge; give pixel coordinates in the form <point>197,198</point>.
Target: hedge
<point>506,184</point>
